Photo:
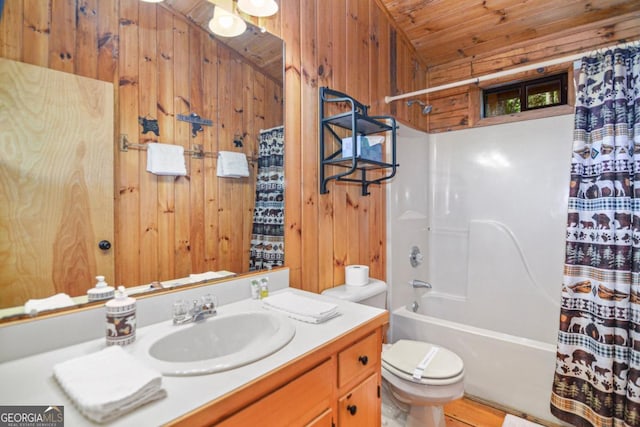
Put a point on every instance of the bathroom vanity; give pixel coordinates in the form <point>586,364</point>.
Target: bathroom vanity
<point>328,374</point>
<point>336,384</point>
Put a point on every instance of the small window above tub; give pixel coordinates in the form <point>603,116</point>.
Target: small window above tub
<point>527,95</point>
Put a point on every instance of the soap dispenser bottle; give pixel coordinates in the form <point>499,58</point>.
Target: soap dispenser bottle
<point>101,291</point>
<point>121,319</point>
<point>264,287</point>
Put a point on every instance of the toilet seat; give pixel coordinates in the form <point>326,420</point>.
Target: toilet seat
<point>443,368</point>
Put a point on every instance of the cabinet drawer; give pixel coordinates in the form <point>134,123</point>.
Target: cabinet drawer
<point>297,403</point>
<point>361,358</point>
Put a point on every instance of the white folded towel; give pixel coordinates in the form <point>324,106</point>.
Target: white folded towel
<point>232,165</point>
<point>166,159</point>
<point>109,383</point>
<point>207,275</point>
<point>301,308</point>
<point>34,306</point>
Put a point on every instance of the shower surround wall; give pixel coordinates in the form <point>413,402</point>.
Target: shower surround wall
<point>487,207</point>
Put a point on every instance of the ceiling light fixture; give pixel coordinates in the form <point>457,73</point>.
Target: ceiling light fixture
<point>261,8</point>
<point>225,23</point>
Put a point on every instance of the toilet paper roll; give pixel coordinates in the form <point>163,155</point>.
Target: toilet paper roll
<point>356,275</point>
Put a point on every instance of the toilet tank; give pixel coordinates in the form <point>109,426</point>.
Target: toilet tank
<point>373,294</point>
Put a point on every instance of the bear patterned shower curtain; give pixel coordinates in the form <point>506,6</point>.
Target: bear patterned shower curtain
<point>597,375</point>
<point>267,236</point>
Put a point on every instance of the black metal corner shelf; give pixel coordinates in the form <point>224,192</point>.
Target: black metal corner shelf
<point>358,121</point>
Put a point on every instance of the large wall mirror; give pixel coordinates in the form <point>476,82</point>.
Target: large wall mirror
<point>78,210</point>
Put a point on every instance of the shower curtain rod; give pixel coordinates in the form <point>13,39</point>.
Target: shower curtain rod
<point>498,74</point>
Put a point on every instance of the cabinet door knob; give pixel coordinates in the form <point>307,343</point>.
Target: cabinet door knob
<point>364,360</point>
<point>352,409</point>
<point>104,245</point>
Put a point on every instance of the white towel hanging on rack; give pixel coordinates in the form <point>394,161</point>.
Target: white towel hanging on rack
<point>232,165</point>
<point>166,159</point>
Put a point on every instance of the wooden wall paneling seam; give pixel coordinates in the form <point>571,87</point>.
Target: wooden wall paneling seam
<point>358,84</point>
<point>196,177</point>
<point>290,10</point>
<point>326,46</point>
<point>210,136</point>
<point>148,108</point>
<point>225,95</point>
<point>235,244</point>
<point>339,192</point>
<point>182,132</point>
<point>86,63</point>
<point>309,126</point>
<point>249,135</point>
<point>62,46</point>
<point>36,28</point>
<point>127,199</point>
<point>108,45</point>
<point>166,119</point>
<point>108,29</point>
<point>379,86</point>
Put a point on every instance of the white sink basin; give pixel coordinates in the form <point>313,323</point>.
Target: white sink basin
<point>220,343</point>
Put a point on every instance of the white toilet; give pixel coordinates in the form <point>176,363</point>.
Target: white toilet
<point>418,374</point>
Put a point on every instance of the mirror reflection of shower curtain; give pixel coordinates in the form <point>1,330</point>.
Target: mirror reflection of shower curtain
<point>267,236</point>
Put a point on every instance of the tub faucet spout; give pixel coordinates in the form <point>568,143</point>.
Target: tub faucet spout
<point>420,284</point>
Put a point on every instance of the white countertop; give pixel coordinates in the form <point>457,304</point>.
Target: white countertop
<point>29,380</point>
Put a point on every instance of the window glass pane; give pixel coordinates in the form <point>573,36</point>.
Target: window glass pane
<point>543,94</point>
<point>502,102</point>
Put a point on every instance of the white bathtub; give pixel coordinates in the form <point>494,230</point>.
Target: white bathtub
<point>487,208</point>
<point>513,371</point>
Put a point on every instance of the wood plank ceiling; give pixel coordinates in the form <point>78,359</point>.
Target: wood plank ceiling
<point>449,31</point>
<point>446,31</point>
<point>258,47</point>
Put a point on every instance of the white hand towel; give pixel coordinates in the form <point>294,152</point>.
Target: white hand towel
<point>232,165</point>
<point>166,159</point>
<point>199,277</point>
<point>109,383</point>
<point>56,301</point>
<point>306,319</point>
<point>300,307</point>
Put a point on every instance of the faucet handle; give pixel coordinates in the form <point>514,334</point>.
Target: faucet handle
<point>180,311</point>
<point>209,303</point>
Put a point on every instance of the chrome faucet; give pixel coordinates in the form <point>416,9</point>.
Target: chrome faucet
<point>200,309</point>
<point>420,284</point>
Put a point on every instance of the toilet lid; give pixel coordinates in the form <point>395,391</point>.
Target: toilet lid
<point>405,356</point>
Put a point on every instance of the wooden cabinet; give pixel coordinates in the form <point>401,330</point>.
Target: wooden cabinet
<point>337,384</point>
<point>361,406</point>
<point>359,383</point>
<point>355,361</point>
<point>297,403</point>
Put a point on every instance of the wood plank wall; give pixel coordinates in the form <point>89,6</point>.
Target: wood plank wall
<point>346,45</point>
<point>176,226</point>
<point>161,66</point>
<point>458,108</point>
